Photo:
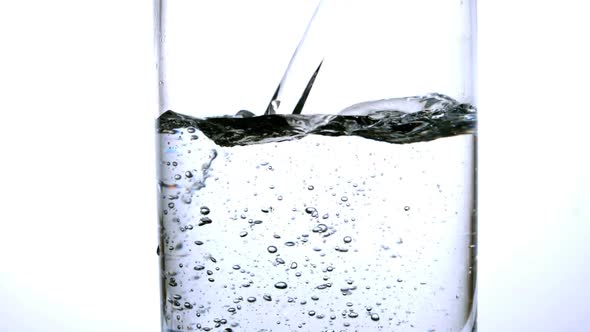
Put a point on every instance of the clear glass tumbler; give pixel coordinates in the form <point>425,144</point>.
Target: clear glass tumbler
<point>317,165</point>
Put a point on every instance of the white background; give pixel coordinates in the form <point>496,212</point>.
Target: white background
<point>77,205</point>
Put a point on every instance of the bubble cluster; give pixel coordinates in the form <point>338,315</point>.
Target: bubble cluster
<point>306,234</point>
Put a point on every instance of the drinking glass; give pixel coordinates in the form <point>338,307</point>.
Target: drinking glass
<point>316,165</point>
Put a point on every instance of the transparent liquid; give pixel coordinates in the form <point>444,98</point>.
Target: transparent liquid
<point>320,222</point>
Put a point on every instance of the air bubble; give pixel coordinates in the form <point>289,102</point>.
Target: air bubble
<point>199,243</point>
<point>344,198</point>
<point>293,265</point>
<point>311,313</point>
<point>310,188</point>
<point>374,317</point>
<point>320,228</point>
<point>236,267</point>
<point>177,177</point>
<point>243,233</point>
<point>272,249</point>
<point>281,285</point>
<point>267,297</point>
<point>251,299</point>
<point>190,130</point>
<point>347,239</point>
<point>406,208</point>
<point>205,210</point>
<point>205,221</point>
<point>353,314</point>
<point>188,174</point>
